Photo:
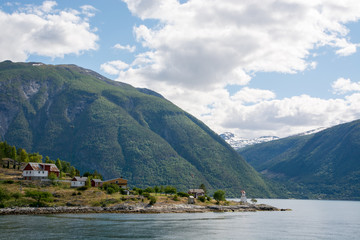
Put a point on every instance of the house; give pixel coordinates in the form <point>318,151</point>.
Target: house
<point>119,181</point>
<point>196,192</point>
<point>96,182</point>
<point>78,182</point>
<point>37,171</point>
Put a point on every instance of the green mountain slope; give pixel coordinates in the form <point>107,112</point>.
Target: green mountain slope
<point>324,165</point>
<point>80,116</point>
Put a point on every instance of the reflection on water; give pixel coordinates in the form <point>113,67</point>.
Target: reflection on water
<point>310,219</point>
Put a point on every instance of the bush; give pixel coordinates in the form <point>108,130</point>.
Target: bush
<point>146,194</point>
<point>16,195</point>
<point>176,198</point>
<point>39,196</point>
<point>111,188</point>
<point>149,190</point>
<point>208,198</point>
<point>182,194</point>
<point>9,181</point>
<point>202,198</point>
<point>152,200</point>
<point>83,188</point>
<point>170,190</point>
<point>3,195</point>
<point>73,194</point>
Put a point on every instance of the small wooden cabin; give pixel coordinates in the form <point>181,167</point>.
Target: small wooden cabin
<point>96,182</point>
<point>196,192</point>
<point>78,182</point>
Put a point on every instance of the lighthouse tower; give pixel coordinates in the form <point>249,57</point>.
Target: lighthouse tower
<point>243,198</point>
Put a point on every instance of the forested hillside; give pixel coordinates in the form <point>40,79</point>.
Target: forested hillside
<point>321,165</point>
<point>97,124</point>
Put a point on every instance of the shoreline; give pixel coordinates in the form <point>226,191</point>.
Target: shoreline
<point>138,208</point>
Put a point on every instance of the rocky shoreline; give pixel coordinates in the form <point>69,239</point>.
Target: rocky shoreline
<point>139,208</point>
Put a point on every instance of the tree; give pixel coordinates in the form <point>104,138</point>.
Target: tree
<point>72,172</point>
<point>170,190</point>
<point>156,189</point>
<point>88,182</point>
<point>58,164</point>
<point>23,156</point>
<point>203,187</point>
<point>219,195</point>
<point>13,153</point>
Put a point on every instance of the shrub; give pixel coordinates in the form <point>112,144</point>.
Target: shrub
<point>39,196</point>
<point>9,181</point>
<point>149,190</point>
<point>73,194</point>
<point>111,188</point>
<point>176,198</point>
<point>83,188</point>
<point>146,194</point>
<point>202,198</point>
<point>3,195</point>
<point>182,194</point>
<point>152,200</point>
<point>170,190</point>
<point>16,195</point>
<point>208,198</point>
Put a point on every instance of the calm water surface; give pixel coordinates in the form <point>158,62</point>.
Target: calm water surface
<point>310,219</point>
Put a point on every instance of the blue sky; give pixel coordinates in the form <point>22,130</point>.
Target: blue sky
<point>253,68</point>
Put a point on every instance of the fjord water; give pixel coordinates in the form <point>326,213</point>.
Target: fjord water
<point>309,219</point>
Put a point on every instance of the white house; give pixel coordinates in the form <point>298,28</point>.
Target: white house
<point>78,181</point>
<point>36,171</point>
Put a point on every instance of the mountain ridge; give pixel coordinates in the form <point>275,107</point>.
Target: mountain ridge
<point>96,123</point>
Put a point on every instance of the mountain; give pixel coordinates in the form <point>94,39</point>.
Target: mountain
<point>325,164</point>
<point>98,124</point>
<point>238,142</point>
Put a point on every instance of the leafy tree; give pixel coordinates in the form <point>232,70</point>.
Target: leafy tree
<point>219,195</point>
<point>13,153</point>
<point>88,182</point>
<point>149,190</point>
<point>203,187</point>
<point>39,196</point>
<point>156,189</point>
<point>111,188</point>
<point>72,171</point>
<point>170,190</point>
<point>23,156</point>
<point>58,164</point>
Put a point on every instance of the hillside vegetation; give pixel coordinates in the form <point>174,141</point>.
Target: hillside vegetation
<point>322,165</point>
<point>97,124</point>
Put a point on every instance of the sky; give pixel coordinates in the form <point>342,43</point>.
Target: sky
<point>253,68</point>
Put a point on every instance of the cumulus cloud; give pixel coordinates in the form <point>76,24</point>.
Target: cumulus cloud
<point>201,46</point>
<point>45,31</point>
<point>127,47</point>
<point>342,86</point>
<point>200,42</point>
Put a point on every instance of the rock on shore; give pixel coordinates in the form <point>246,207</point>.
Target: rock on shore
<point>139,208</point>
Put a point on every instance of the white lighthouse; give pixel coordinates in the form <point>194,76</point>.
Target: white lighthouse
<point>243,198</point>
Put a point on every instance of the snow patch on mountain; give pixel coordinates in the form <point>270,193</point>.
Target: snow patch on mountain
<point>239,142</point>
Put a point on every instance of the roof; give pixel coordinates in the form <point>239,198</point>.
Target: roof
<point>79,179</point>
<point>96,180</point>
<point>53,167</point>
<point>41,166</point>
<point>120,180</point>
<point>196,190</point>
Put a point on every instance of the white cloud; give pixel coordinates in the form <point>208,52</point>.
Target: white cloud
<point>200,42</point>
<point>114,67</point>
<point>127,47</point>
<point>45,31</point>
<point>342,86</point>
<point>201,46</point>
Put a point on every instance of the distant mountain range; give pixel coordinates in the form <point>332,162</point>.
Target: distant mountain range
<point>325,164</point>
<point>239,142</point>
<point>98,124</point>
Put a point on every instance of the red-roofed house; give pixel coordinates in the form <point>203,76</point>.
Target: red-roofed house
<point>36,171</point>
